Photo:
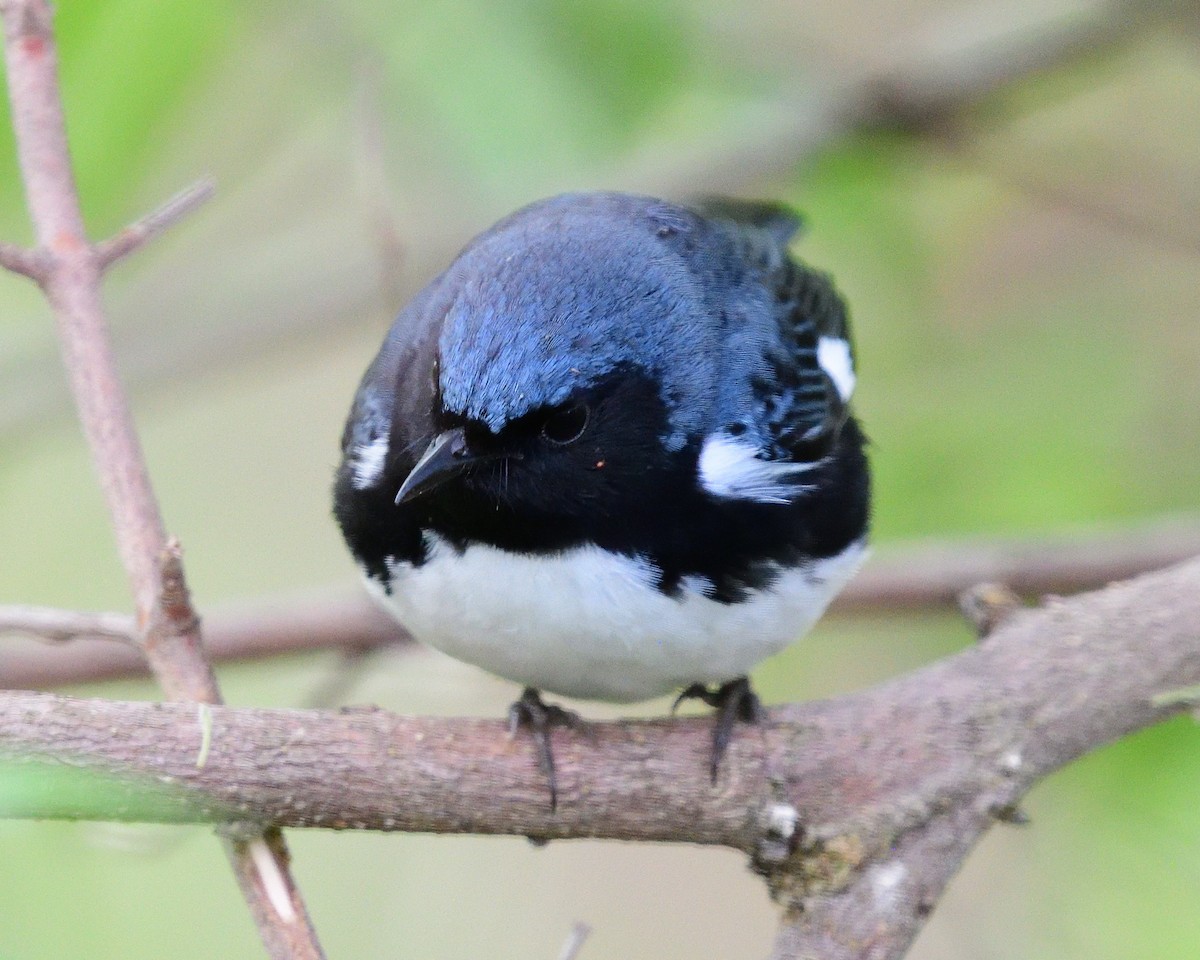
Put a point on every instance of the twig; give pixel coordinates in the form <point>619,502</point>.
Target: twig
<point>168,626</point>
<point>371,153</point>
<point>273,627</point>
<point>72,284</point>
<point>575,941</point>
<point>337,684</point>
<point>19,260</point>
<point>138,233</point>
<point>857,810</point>
<point>57,626</point>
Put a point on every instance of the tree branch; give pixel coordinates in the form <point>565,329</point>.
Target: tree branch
<point>341,619</point>
<point>857,810</point>
<point>19,260</point>
<point>58,626</point>
<point>140,232</point>
<point>72,270</point>
<point>922,575</point>
<point>934,574</point>
<point>72,284</point>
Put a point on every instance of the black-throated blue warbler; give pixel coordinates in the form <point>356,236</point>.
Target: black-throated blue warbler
<point>608,454</point>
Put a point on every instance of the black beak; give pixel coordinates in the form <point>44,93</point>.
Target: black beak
<point>444,459</point>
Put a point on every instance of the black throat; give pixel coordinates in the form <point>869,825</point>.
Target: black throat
<point>620,489</point>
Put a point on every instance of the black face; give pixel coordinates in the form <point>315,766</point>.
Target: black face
<point>561,475</point>
<point>595,470</point>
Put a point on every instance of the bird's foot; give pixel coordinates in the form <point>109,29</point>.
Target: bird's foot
<point>540,717</point>
<point>733,701</point>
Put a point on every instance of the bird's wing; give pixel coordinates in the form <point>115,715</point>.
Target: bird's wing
<point>812,368</point>
<point>804,392</point>
<point>778,223</point>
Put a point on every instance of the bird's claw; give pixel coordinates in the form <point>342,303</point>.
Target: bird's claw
<point>540,717</point>
<point>733,701</point>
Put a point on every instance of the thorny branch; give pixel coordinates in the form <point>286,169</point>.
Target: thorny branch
<point>69,269</point>
<point>857,810</point>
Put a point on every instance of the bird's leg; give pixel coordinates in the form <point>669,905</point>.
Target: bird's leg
<point>530,711</point>
<point>733,701</point>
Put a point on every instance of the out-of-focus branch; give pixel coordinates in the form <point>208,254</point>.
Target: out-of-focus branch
<point>59,626</point>
<point>917,576</point>
<point>70,272</point>
<point>377,190</point>
<point>343,619</point>
<point>936,74</point>
<point>19,260</point>
<point>930,575</point>
<point>856,810</point>
<point>575,941</point>
<point>141,231</point>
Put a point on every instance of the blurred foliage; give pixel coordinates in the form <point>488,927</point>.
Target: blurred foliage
<point>30,786</point>
<point>1026,363</point>
<point>127,68</point>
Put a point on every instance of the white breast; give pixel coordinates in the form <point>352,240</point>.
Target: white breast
<point>588,623</point>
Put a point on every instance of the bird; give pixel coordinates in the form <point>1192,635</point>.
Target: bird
<point>608,454</point>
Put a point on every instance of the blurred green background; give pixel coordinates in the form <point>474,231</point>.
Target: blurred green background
<point>1024,285</point>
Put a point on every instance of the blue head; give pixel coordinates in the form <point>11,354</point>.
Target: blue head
<point>565,292</point>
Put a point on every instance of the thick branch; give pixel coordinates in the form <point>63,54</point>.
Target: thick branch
<point>858,809</point>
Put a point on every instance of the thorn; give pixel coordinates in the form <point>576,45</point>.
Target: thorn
<point>274,884</point>
<point>988,605</point>
<point>1010,813</point>
<point>204,715</point>
<point>575,940</point>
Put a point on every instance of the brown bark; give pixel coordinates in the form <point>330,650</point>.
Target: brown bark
<point>858,810</point>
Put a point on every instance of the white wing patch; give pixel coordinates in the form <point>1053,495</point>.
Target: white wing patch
<point>833,354</point>
<point>732,469</point>
<point>369,459</point>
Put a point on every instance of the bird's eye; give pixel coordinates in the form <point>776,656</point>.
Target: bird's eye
<point>566,424</point>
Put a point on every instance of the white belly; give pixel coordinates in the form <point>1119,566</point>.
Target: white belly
<point>591,624</point>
